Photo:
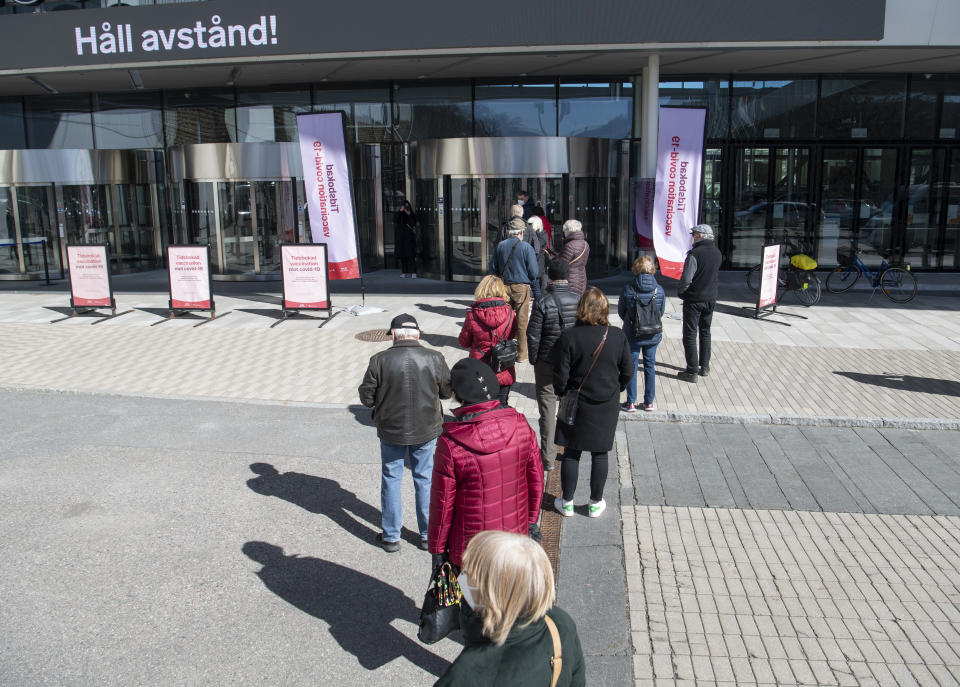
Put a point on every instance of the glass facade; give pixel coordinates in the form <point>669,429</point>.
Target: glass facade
<point>129,120</point>
<point>515,109</point>
<point>833,163</point>
<point>595,109</point>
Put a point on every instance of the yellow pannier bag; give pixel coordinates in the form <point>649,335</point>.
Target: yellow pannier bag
<point>803,262</point>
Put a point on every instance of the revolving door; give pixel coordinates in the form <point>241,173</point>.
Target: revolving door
<point>463,189</point>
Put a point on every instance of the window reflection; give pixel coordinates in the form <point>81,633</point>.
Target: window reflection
<point>129,120</point>
<point>367,111</point>
<point>773,109</point>
<point>862,108</point>
<point>711,94</point>
<point>200,116</point>
<point>516,109</point>
<point>596,110</point>
<point>270,115</point>
<point>433,111</point>
<point>59,121</point>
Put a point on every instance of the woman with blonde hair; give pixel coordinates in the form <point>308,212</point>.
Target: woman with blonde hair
<point>489,321</point>
<point>508,618</point>
<point>642,297</point>
<point>592,358</point>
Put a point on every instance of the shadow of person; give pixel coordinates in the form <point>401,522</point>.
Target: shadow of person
<point>362,414</point>
<point>318,495</point>
<point>926,385</point>
<point>444,310</point>
<point>358,609</point>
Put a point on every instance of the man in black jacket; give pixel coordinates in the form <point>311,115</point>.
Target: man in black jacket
<point>552,312</point>
<point>404,385</point>
<point>698,291</point>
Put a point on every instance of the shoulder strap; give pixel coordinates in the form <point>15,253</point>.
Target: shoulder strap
<point>556,662</point>
<point>579,256</point>
<point>596,354</point>
<point>519,241</point>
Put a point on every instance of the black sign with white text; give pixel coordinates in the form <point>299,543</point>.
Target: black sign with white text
<point>223,29</point>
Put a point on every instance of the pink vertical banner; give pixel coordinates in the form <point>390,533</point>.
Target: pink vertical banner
<point>326,176</point>
<point>643,212</point>
<point>676,204</point>
<point>768,276</point>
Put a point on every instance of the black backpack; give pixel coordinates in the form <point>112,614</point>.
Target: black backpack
<point>503,354</point>
<point>645,318</point>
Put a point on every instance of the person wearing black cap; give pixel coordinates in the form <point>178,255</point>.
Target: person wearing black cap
<point>553,312</point>
<point>404,385</point>
<point>486,472</point>
<point>698,291</point>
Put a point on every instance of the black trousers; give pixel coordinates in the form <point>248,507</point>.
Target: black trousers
<point>570,470</point>
<point>503,395</point>
<point>408,265</point>
<point>697,318</point>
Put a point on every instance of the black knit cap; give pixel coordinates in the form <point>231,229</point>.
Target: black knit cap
<point>558,269</point>
<point>473,381</point>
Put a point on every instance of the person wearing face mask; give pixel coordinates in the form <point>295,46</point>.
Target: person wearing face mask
<point>487,473</point>
<point>514,635</point>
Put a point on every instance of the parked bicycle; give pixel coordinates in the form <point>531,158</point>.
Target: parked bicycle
<point>797,276</point>
<point>896,283</point>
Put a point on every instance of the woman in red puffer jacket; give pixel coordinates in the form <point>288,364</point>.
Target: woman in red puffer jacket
<point>487,473</point>
<point>489,321</point>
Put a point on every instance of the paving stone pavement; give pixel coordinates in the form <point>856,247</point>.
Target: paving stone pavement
<point>808,557</point>
<point>864,359</point>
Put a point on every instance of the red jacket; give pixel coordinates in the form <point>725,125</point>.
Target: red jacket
<point>489,320</point>
<point>487,475</point>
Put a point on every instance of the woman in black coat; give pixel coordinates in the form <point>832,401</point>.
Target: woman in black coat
<point>405,238</point>
<point>599,406</point>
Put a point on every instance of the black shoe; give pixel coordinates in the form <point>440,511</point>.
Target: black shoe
<point>424,544</point>
<point>687,376</point>
<point>705,371</point>
<point>388,546</point>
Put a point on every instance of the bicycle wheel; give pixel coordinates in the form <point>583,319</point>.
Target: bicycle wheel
<point>753,279</point>
<point>842,279</point>
<point>808,293</point>
<point>898,284</point>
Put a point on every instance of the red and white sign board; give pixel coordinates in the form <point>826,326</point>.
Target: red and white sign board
<point>304,270</point>
<point>769,271</point>
<point>676,203</point>
<point>89,268</point>
<point>326,174</point>
<point>189,269</point>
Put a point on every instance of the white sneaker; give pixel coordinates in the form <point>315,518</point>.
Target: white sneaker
<point>413,276</point>
<point>564,507</point>
<point>403,275</point>
<point>595,508</point>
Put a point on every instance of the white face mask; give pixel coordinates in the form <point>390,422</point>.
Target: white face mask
<point>467,590</point>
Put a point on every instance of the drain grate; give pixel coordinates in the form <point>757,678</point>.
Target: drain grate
<point>374,335</point>
<point>550,520</point>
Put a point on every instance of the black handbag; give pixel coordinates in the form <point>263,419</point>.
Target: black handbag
<point>503,354</point>
<point>570,400</point>
<point>440,614</point>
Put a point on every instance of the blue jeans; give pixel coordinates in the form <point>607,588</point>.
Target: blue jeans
<point>649,354</point>
<point>421,464</point>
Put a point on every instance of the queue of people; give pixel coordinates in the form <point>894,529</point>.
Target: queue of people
<point>479,478</point>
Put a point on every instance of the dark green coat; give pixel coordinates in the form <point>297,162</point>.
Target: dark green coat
<point>522,661</point>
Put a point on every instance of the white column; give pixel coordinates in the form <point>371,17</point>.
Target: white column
<point>650,110</point>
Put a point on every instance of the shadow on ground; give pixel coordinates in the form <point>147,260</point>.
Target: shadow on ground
<point>318,495</point>
<point>444,310</point>
<point>441,340</point>
<point>362,414</point>
<point>926,385</point>
<point>358,608</point>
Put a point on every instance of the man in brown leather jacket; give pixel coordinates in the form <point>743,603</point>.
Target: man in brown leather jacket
<point>404,385</point>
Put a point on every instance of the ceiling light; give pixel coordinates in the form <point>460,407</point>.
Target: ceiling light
<point>44,85</point>
<point>135,79</point>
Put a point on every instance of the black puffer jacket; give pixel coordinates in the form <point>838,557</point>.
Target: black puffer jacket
<point>404,385</point>
<point>544,328</point>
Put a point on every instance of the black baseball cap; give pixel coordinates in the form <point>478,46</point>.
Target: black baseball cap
<point>404,322</point>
